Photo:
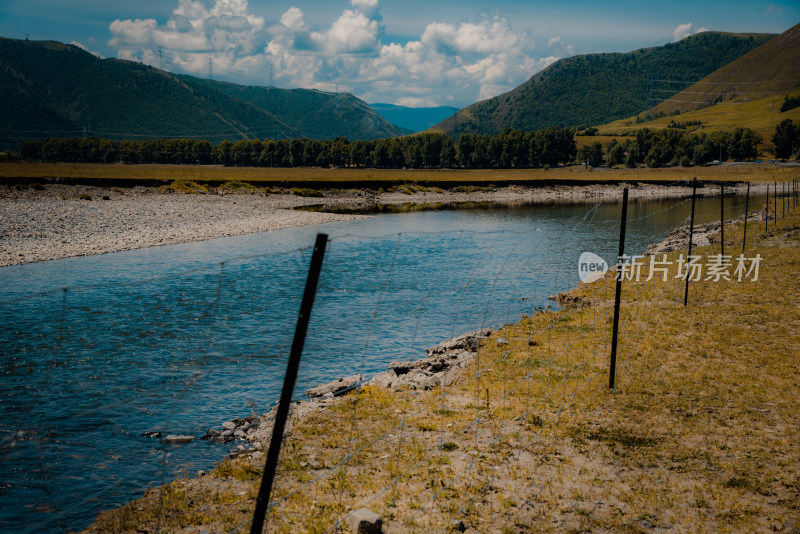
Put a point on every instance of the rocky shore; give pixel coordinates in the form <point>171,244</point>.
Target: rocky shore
<point>701,234</point>
<point>40,222</point>
<point>442,365</point>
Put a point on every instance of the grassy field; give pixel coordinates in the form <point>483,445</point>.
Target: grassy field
<point>699,435</point>
<point>762,115</point>
<point>320,177</point>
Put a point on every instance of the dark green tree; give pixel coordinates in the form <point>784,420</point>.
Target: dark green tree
<point>786,139</point>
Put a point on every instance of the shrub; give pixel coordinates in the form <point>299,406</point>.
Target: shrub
<point>306,192</point>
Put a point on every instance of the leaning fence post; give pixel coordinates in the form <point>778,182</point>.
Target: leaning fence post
<point>746,206</point>
<point>691,237</point>
<point>612,370</point>
<point>288,384</point>
<point>775,201</point>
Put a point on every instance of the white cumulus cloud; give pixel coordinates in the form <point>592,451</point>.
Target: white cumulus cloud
<point>351,33</point>
<point>487,36</point>
<point>556,43</point>
<point>682,31</point>
<point>449,63</point>
<point>86,48</point>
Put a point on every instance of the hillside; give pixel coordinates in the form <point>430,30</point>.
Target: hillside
<point>314,114</point>
<point>49,89</point>
<point>599,88</point>
<point>413,119</point>
<point>747,92</point>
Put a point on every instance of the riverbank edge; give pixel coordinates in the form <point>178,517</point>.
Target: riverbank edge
<point>43,222</point>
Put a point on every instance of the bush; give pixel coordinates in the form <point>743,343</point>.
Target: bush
<point>790,103</point>
<point>184,186</point>
<point>306,192</point>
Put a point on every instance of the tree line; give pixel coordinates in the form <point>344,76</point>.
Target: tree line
<point>550,147</point>
<point>511,148</point>
<point>672,147</point>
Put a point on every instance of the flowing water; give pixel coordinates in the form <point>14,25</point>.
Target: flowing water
<point>96,351</point>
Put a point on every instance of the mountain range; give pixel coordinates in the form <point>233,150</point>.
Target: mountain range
<point>51,89</point>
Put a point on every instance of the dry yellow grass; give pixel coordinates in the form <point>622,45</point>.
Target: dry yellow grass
<point>700,434</point>
<point>762,115</point>
<point>319,177</point>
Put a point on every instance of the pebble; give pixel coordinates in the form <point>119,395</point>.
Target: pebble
<point>174,438</point>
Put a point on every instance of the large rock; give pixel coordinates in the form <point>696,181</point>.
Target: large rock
<point>439,368</point>
<point>365,521</point>
<point>469,341</point>
<point>234,429</point>
<point>335,388</point>
<point>678,239</point>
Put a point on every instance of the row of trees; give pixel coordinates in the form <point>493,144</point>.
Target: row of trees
<point>673,147</point>
<point>511,148</point>
<point>508,149</point>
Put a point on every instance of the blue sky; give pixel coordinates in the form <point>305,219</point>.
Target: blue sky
<point>409,52</point>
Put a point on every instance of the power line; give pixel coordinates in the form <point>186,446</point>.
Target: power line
<point>732,82</point>
<point>673,91</point>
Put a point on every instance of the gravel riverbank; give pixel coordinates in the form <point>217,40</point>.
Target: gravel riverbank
<point>41,225</point>
<point>51,221</point>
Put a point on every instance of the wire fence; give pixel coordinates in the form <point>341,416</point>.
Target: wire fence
<point>111,376</point>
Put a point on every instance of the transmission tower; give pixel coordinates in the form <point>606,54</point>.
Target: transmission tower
<point>160,57</point>
<point>210,68</point>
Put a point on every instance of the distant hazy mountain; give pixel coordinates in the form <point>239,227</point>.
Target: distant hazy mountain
<point>598,88</point>
<point>413,119</point>
<point>49,89</point>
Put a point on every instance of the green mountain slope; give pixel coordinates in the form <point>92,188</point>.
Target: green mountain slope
<point>747,92</point>
<point>599,88</point>
<point>771,69</point>
<point>49,89</point>
<point>315,114</point>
